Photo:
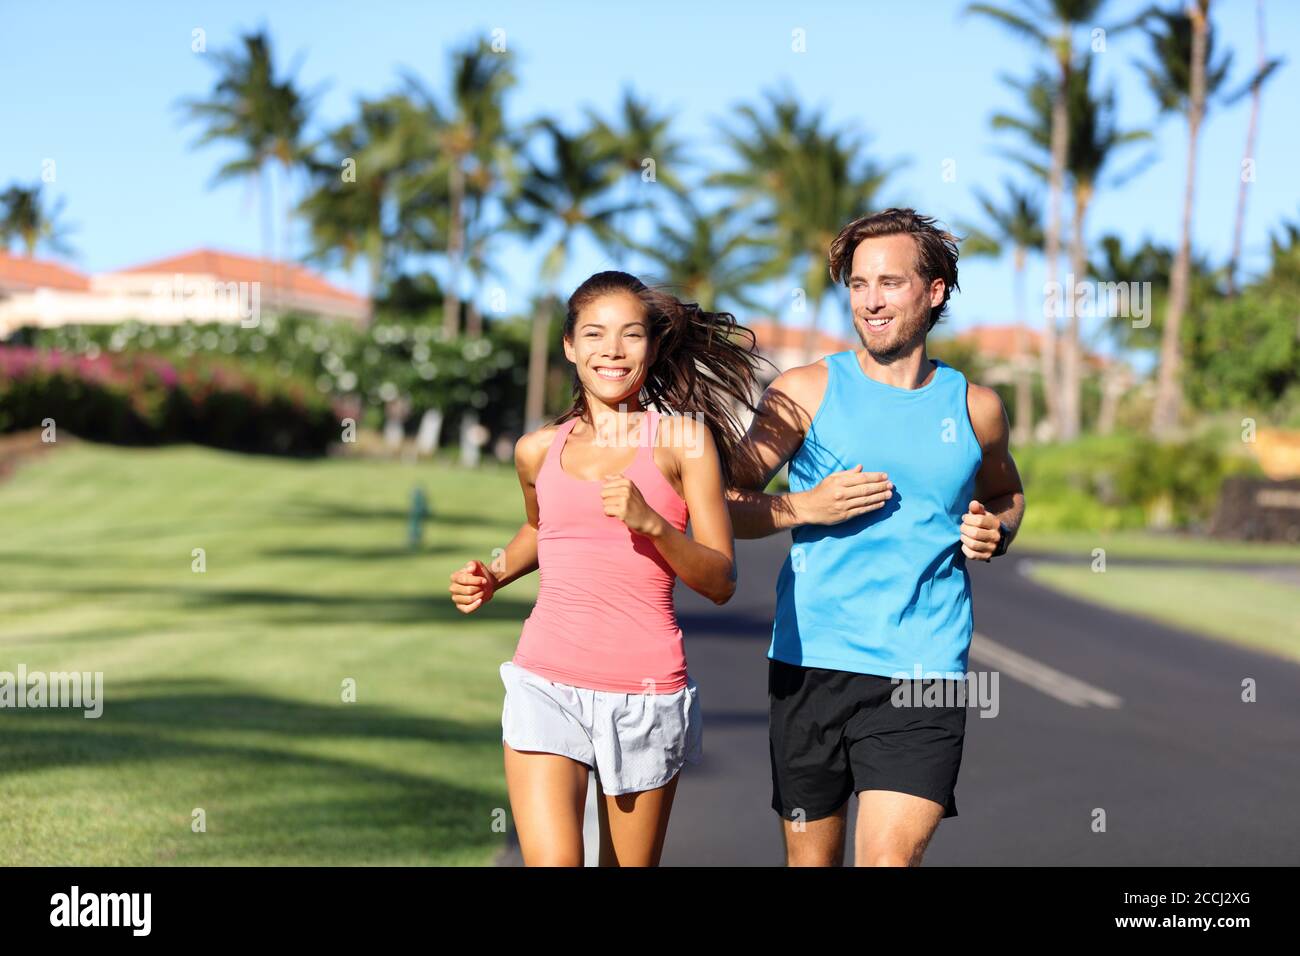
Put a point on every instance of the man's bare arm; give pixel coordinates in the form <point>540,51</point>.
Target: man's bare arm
<point>999,492</point>
<point>774,436</point>
<point>784,414</point>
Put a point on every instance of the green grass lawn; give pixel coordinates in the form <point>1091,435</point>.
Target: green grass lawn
<point>1147,544</point>
<point>223,689</point>
<point>1234,606</point>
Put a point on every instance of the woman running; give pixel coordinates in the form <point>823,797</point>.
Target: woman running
<point>598,680</point>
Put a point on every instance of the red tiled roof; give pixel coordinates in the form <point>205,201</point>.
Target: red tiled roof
<point>20,274</point>
<point>772,336</point>
<point>999,341</point>
<point>232,267</point>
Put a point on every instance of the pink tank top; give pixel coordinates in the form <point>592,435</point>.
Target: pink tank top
<point>604,617</point>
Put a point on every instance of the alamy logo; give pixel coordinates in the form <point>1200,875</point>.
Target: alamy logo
<point>947,689</point>
<point>102,909</point>
<point>200,299</point>
<point>1087,300</point>
<point>38,689</point>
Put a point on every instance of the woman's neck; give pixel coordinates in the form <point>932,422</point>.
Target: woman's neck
<point>613,424</point>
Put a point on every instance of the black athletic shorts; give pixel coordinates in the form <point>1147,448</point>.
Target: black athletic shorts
<point>833,733</point>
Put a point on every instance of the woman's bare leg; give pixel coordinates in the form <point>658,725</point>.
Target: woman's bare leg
<point>548,794</point>
<point>633,825</point>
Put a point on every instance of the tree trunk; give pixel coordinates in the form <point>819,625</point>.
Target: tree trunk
<point>455,245</point>
<point>473,314</point>
<point>1113,386</point>
<point>286,212</point>
<point>1060,144</point>
<point>1024,427</point>
<point>810,335</point>
<point>264,190</point>
<point>375,256</point>
<point>473,319</point>
<point>1169,392</point>
<point>470,449</point>
<point>1072,358</point>
<point>534,407</point>
<point>426,439</point>
<point>1251,131</point>
<point>395,413</point>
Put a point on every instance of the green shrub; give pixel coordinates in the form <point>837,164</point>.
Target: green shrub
<point>141,399</point>
<point>1125,481</point>
<point>372,366</point>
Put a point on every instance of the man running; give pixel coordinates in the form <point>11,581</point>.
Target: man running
<point>875,585</point>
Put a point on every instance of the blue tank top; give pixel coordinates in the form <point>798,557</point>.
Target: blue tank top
<point>886,592</point>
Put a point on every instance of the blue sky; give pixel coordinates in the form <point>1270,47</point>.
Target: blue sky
<point>93,86</point>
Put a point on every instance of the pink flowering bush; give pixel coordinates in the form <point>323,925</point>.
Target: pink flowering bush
<point>139,398</point>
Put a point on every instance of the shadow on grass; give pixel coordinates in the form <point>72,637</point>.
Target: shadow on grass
<point>172,705</point>
<point>359,554</point>
<point>349,511</point>
<point>265,803</point>
<point>52,559</point>
<point>13,634</point>
<point>117,558</point>
<point>286,607</point>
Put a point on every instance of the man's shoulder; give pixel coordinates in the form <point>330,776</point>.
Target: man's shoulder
<point>983,398</point>
<point>987,415</point>
<point>805,385</point>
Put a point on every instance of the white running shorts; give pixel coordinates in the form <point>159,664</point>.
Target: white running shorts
<point>634,742</point>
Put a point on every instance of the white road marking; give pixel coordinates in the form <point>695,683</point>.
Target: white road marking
<point>1039,676</point>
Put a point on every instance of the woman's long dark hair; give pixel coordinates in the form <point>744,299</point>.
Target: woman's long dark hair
<point>699,366</point>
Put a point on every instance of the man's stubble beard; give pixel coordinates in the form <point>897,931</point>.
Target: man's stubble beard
<point>904,345</point>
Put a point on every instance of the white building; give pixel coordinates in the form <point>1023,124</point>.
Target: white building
<point>200,286</point>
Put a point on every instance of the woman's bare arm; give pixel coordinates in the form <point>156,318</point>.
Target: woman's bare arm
<point>706,562</point>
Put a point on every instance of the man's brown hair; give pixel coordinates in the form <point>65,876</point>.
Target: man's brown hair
<point>936,249</point>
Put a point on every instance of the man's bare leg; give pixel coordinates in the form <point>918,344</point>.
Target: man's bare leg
<point>816,842</point>
<point>894,828</point>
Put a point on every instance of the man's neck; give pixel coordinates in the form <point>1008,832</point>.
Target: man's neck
<point>910,370</point>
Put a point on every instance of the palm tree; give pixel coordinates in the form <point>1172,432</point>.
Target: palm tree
<point>1050,25</point>
<point>262,114</point>
<point>479,234</point>
<point>25,217</point>
<point>560,197</point>
<point>802,183</point>
<point>490,186</point>
<point>637,134</point>
<point>479,265</point>
<point>1017,224</point>
<point>1264,68</point>
<point>1154,263</point>
<point>468,136</point>
<point>368,213</point>
<point>709,259</point>
<point>1093,139</point>
<point>1182,77</point>
<point>1284,248</point>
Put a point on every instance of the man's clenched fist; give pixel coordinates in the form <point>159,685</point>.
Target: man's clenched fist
<point>981,532</point>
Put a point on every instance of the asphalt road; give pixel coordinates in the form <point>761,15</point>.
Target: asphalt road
<point>1096,711</point>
